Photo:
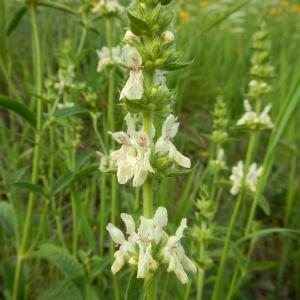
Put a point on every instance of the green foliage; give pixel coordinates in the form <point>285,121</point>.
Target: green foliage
<point>65,262</point>
<point>19,108</point>
<point>15,19</point>
<point>136,288</point>
<point>8,218</point>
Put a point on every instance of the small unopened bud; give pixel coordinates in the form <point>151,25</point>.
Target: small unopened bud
<point>130,37</point>
<point>168,37</point>
<point>133,261</point>
<point>163,163</point>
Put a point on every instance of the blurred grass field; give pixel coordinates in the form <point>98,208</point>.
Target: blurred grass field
<point>215,36</point>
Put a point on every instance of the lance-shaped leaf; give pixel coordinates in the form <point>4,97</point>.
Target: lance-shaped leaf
<point>137,25</point>
<point>15,19</point>
<point>19,108</point>
<point>174,66</point>
<point>67,112</point>
<point>8,218</point>
<point>57,6</point>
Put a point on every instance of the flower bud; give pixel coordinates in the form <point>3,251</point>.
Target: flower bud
<point>168,37</point>
<point>155,49</point>
<point>163,163</point>
<point>155,14</point>
<point>130,37</point>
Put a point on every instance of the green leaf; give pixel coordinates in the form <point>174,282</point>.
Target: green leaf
<point>19,108</point>
<point>62,182</point>
<point>86,172</point>
<point>62,290</point>
<point>135,106</point>
<point>15,19</point>
<point>292,233</point>
<point>63,260</point>
<point>165,2</point>
<point>17,175</point>
<point>226,16</point>
<point>179,171</point>
<point>137,25</point>
<point>82,159</point>
<point>57,6</point>
<point>174,66</point>
<point>8,218</point>
<point>136,289</point>
<point>34,188</point>
<point>100,266</point>
<point>262,266</point>
<point>70,111</point>
<point>264,205</point>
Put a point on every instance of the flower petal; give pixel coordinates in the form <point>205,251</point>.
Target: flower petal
<point>170,127</point>
<point>160,218</point>
<point>115,233</point>
<point>133,89</point>
<point>129,222</point>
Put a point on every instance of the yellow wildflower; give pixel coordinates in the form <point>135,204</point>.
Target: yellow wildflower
<point>296,8</point>
<point>185,16</point>
<point>204,4</point>
<point>273,11</point>
<point>284,3</point>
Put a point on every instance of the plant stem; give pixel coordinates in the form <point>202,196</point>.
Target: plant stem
<point>151,290</point>
<point>102,213</point>
<point>221,269</point>
<point>148,185</point>
<point>220,275</point>
<point>250,153</point>
<point>111,125</point>
<point>82,41</point>
<point>37,148</point>
<point>201,272</point>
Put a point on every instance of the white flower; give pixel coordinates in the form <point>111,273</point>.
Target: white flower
<point>252,177</point>
<point>126,246</point>
<point>107,59</point>
<point>174,255</point>
<point>133,89</point>
<point>133,158</point>
<point>65,79</point>
<point>65,105</point>
<point>250,180</point>
<point>165,146</point>
<point>259,88</point>
<point>130,36</point>
<point>125,157</point>
<point>254,120</point>
<point>108,6</point>
<point>143,166</point>
<point>140,248</point>
<point>236,178</point>
<point>132,58</point>
<point>219,162</point>
<point>168,37</point>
